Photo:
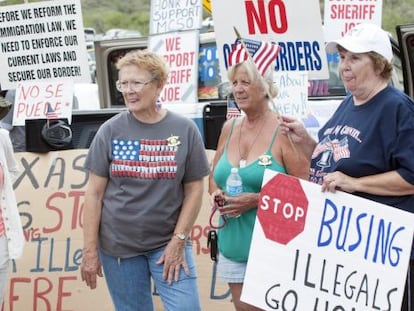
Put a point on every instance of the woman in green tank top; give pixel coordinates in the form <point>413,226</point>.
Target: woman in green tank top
<point>251,143</point>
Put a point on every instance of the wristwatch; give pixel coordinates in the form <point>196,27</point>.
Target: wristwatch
<point>181,236</point>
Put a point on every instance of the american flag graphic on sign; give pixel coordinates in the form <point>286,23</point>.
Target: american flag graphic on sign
<point>233,110</point>
<point>263,53</point>
<point>50,113</point>
<point>144,159</point>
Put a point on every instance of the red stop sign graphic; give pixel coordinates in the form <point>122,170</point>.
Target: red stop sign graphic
<point>282,208</point>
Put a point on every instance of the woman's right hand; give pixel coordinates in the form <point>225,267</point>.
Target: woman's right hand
<point>293,128</point>
<point>90,268</point>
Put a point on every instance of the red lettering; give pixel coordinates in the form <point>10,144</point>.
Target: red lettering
<point>61,293</point>
<point>57,210</point>
<point>170,94</point>
<point>37,109</point>
<point>32,91</point>
<point>173,44</point>
<point>197,234</point>
<point>54,90</point>
<point>257,16</point>
<point>77,208</point>
<point>31,234</point>
<point>12,296</point>
<point>277,16</point>
<point>42,294</point>
<point>46,295</point>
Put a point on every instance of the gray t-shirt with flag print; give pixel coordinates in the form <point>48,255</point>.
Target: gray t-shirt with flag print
<point>146,166</point>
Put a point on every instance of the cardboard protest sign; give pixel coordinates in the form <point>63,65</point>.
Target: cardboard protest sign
<point>50,193</point>
<point>332,251</point>
<point>302,43</point>
<point>180,51</point>
<point>42,41</point>
<point>169,16</point>
<point>33,99</point>
<point>342,15</point>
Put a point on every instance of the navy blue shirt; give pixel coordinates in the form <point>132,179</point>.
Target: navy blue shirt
<point>370,139</point>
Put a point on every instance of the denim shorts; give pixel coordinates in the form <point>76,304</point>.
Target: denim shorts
<point>230,271</point>
<point>130,282</point>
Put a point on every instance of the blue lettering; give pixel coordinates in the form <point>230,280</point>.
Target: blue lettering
<point>300,55</point>
<point>349,231</point>
<point>213,286</point>
<point>352,247</point>
<point>327,223</point>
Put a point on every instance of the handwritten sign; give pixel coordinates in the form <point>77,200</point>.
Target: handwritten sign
<point>278,21</point>
<point>42,41</point>
<point>342,15</point>
<point>292,97</point>
<point>50,192</point>
<point>353,253</point>
<point>180,50</point>
<point>32,100</point>
<point>168,16</point>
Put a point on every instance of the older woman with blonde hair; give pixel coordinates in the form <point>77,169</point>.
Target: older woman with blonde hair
<point>251,143</point>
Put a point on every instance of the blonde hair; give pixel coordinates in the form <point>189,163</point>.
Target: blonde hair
<point>146,60</point>
<point>266,81</point>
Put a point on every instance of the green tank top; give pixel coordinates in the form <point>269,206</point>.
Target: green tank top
<point>235,237</point>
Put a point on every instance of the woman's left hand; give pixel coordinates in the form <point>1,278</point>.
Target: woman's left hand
<point>173,259</point>
<point>339,181</point>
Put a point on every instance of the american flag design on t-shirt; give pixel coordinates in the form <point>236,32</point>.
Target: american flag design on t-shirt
<point>145,158</point>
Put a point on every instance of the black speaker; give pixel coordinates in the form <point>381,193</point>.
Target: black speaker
<point>44,136</point>
<point>214,115</point>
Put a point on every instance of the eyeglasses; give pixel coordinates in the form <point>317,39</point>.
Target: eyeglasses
<point>135,86</point>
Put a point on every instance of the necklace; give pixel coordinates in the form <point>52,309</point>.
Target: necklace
<point>243,160</point>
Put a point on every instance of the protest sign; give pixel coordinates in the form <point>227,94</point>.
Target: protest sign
<point>292,96</point>
<point>325,251</point>
<point>180,50</point>
<point>302,44</point>
<point>42,41</point>
<point>50,193</point>
<point>34,98</point>
<point>168,16</point>
<point>342,15</point>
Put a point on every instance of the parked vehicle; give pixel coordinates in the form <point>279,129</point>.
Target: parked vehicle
<point>210,110</point>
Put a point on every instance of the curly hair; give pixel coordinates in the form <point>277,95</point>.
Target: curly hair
<point>146,60</point>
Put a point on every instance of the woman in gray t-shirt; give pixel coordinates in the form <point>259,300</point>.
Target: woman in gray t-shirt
<point>146,169</point>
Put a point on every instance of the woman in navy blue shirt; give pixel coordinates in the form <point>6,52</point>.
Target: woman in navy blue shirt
<point>367,147</point>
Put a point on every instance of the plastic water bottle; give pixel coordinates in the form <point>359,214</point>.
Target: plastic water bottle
<point>234,184</point>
